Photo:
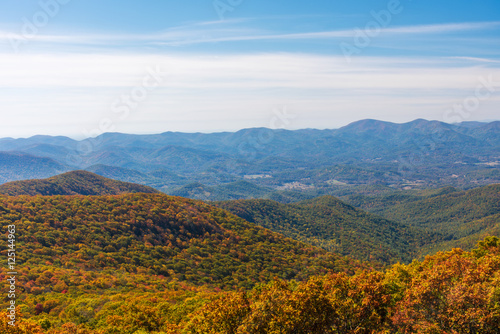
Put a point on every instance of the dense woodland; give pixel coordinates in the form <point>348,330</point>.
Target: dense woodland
<point>141,263</point>
<point>335,226</point>
<point>452,218</point>
<point>169,236</point>
<point>73,183</point>
<point>407,224</point>
<point>451,292</point>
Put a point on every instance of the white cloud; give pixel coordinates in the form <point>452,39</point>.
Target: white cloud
<point>477,59</point>
<point>228,92</point>
<point>233,30</point>
<point>443,28</point>
<point>281,70</point>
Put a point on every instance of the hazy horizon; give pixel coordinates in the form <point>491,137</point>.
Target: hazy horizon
<point>242,129</point>
<point>77,68</point>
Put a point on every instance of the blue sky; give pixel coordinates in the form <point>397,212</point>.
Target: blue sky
<point>83,67</point>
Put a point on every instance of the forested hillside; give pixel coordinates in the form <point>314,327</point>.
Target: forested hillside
<point>452,292</point>
<point>452,217</point>
<point>178,238</point>
<point>407,224</point>
<point>459,218</point>
<point>73,183</point>
<point>141,263</point>
<point>335,226</point>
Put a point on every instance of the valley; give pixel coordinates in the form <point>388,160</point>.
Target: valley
<point>266,163</point>
<point>371,226</point>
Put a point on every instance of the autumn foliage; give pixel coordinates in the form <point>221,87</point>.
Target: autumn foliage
<point>453,292</point>
<point>148,263</point>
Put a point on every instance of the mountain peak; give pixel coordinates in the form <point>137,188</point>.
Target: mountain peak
<point>368,124</point>
<point>424,123</point>
<point>78,182</point>
<point>368,127</point>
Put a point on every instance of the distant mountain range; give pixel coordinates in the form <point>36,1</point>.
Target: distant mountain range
<point>123,257</point>
<point>302,163</point>
<point>21,166</point>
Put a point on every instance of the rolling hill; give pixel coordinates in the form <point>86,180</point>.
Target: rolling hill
<point>73,183</point>
<point>452,217</point>
<point>153,263</point>
<point>171,236</point>
<point>402,225</point>
<point>452,292</point>
<point>455,218</point>
<point>227,191</point>
<point>149,263</point>
<point>139,262</point>
<point>333,225</point>
<point>20,166</point>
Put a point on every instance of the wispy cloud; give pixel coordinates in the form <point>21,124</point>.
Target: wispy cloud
<point>443,28</point>
<point>407,30</point>
<point>221,91</point>
<point>266,70</point>
<point>476,59</point>
<point>235,30</point>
